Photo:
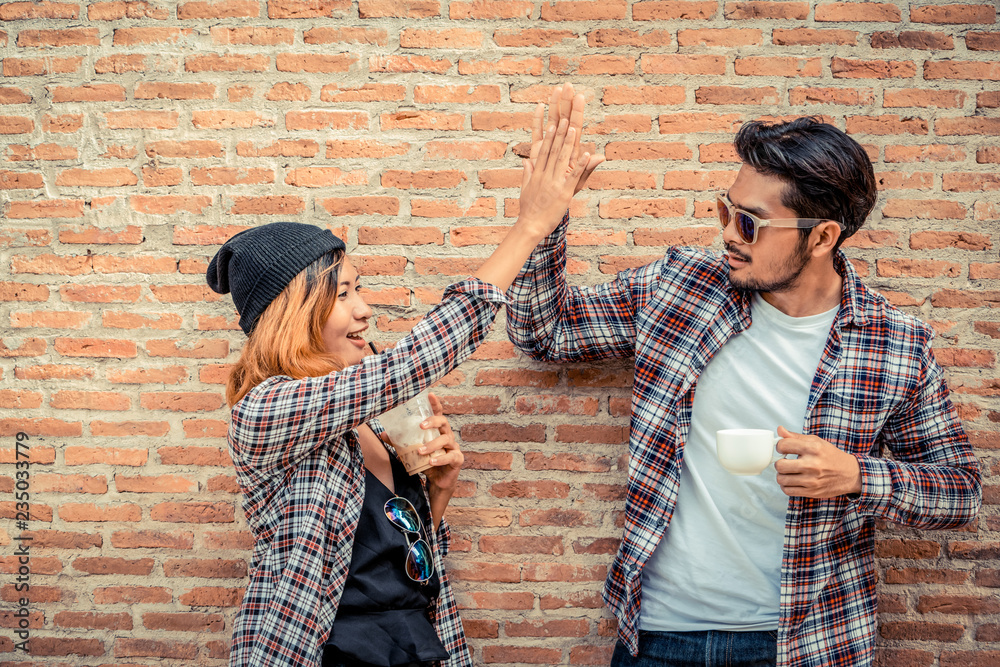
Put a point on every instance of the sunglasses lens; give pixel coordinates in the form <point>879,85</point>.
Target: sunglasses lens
<point>419,564</point>
<point>723,211</point>
<point>745,226</point>
<point>401,513</point>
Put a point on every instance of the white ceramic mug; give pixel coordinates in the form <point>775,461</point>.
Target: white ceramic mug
<point>746,451</point>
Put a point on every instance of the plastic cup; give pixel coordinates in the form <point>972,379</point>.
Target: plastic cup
<point>402,425</point>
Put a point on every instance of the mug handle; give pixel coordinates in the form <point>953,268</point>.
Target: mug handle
<point>775,456</point>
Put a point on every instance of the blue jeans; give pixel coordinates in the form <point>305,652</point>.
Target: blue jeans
<point>711,648</point>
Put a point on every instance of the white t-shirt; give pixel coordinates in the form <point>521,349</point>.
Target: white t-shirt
<point>719,565</point>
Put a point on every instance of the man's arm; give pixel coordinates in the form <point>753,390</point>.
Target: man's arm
<point>933,480</point>
<point>550,321</point>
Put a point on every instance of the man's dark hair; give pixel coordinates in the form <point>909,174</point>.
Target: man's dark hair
<point>828,174</point>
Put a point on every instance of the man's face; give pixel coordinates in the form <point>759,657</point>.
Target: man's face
<point>775,262</point>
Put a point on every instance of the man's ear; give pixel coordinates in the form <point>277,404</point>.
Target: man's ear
<point>824,238</point>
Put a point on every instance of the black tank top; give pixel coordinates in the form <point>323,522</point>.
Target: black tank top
<point>383,617</point>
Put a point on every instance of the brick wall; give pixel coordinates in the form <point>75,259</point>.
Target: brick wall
<point>136,136</point>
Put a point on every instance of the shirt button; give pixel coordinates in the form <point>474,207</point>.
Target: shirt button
<point>660,523</point>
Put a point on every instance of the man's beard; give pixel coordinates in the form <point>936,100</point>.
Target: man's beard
<point>789,271</point>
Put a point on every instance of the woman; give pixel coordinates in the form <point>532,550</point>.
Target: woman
<point>334,579</point>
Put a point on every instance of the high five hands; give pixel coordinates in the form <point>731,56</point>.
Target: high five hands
<point>555,169</point>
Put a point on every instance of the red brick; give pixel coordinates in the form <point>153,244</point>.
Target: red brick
<point>151,539</point>
<point>726,37</point>
<point>42,427</point>
<point>572,462</point>
<point>94,92</point>
<point>961,69</point>
<point>965,182</point>
<point>41,152</point>
<point>326,120</point>
<point>923,209</point>
<point>369,92</point>
<point>304,9</point>
<point>910,39</point>
<point>953,14</point>
<point>813,37</point>
<point>193,512</point>
<point>521,544</point>
<point>658,95</point>
<point>491,9</point>
<point>256,36</point>
<point>150,35</point>
<point>137,648</point>
<point>669,10</point>
<point>449,38</point>
<point>686,123</point>
<point>563,518</point>
<point>735,95</point>
<point>85,400</point>
<point>584,10</point>
<point>280,205</point>
<point>14,180</point>
<point>63,123</point>
<point>413,9</point>
<point>219,9</point>
<point>885,124</point>
<point>65,646</point>
<point>925,153</point>
<point>315,62</point>
<point>338,206</point>
<point>852,12</point>
<point>181,401</point>
<point>945,239</point>
<point>766,10</point>
<point>41,66</point>
<point>682,64</point>
<point>408,64</point>
<point>531,37</point>
<point>93,620</point>
<point>982,41</point>
<point>611,37</point>
<point>346,35</point>
<point>141,119</point>
<point>568,627</point>
<point>498,432</point>
<point>204,568</point>
<point>184,622</point>
<point>90,512</point>
<point>17,11</point>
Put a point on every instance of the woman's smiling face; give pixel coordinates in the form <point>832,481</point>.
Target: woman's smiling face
<point>343,333</point>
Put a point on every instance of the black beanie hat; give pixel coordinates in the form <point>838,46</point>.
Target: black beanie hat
<point>258,263</point>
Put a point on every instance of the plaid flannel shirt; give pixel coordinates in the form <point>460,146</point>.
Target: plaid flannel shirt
<point>877,387</point>
<point>300,467</point>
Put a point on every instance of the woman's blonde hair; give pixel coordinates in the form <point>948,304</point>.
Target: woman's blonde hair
<point>288,337</point>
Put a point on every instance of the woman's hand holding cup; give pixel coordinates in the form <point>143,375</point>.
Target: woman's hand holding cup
<point>446,454</point>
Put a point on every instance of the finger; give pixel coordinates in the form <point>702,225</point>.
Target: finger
<point>537,122</point>
<point>566,101</point>
<point>435,402</point>
<point>544,152</point>
<point>454,459</point>
<point>556,162</point>
<point>566,152</point>
<point>526,171</point>
<point>435,445</point>
<point>594,162</point>
<point>554,105</point>
<point>438,422</point>
<point>785,433</point>
<point>576,118</point>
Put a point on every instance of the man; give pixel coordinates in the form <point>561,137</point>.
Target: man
<point>776,333</point>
